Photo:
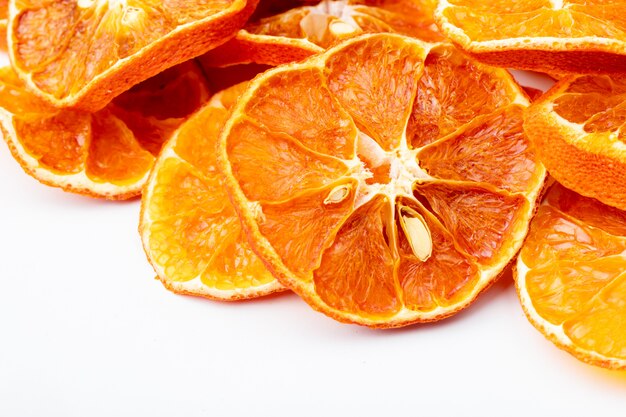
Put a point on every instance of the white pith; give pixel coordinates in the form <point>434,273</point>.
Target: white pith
<point>315,24</point>
<point>404,170</point>
<point>403,174</point>
<point>557,4</point>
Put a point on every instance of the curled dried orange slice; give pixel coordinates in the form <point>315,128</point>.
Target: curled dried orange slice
<point>579,128</point>
<point>581,36</point>
<point>108,153</point>
<point>83,53</point>
<point>387,181</point>
<point>304,31</point>
<point>190,231</point>
<point>571,276</point>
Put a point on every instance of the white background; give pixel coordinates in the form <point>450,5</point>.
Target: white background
<point>86,331</point>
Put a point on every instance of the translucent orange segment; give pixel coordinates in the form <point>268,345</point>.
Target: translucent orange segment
<point>286,24</point>
<point>495,151</point>
<point>588,210</point>
<point>356,274</point>
<point>59,142</point>
<point>230,96</point>
<point>300,229</point>
<point>16,99</point>
<point>503,6</point>
<point>561,23</point>
<point>192,144</point>
<point>375,80</point>
<point>610,120</point>
<point>446,277</point>
<point>180,189</point>
<point>235,265</point>
<point>184,246</point>
<point>560,290</point>
<point>601,84</point>
<point>578,108</point>
<point>452,92</point>
<point>4,9</point>
<point>191,219</point>
<point>602,328</point>
<point>402,19</point>
<point>299,104</point>
<point>287,168</point>
<point>611,13</point>
<point>554,237</point>
<point>480,220</point>
<point>114,154</point>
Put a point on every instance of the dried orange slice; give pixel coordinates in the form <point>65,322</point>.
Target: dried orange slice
<point>190,230</point>
<point>555,36</point>
<point>83,53</point>
<point>579,128</point>
<point>387,181</point>
<point>571,276</point>
<point>108,153</point>
<point>304,31</point>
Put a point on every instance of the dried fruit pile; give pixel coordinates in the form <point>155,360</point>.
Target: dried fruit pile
<point>373,156</point>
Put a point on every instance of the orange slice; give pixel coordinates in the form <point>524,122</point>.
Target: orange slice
<point>387,181</point>
<point>304,31</point>
<point>579,128</point>
<point>190,231</point>
<point>571,277</point>
<point>83,53</point>
<point>555,36</point>
<point>108,153</point>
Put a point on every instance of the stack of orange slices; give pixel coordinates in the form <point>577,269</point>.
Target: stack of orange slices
<point>373,156</point>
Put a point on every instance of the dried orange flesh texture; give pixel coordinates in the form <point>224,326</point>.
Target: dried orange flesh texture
<point>570,36</point>
<point>108,153</point>
<point>83,53</point>
<point>571,276</point>
<point>579,127</point>
<point>4,14</point>
<point>190,231</point>
<point>304,31</point>
<point>386,181</point>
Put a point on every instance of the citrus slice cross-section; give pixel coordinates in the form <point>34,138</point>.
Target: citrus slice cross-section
<point>304,31</point>
<point>571,276</point>
<point>108,153</point>
<point>554,36</point>
<point>190,231</point>
<point>386,181</point>
<point>83,53</point>
<point>579,128</point>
